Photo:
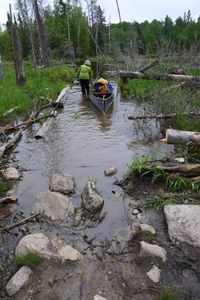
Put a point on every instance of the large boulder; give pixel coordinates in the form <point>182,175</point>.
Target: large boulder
<point>18,280</point>
<point>36,242</point>
<point>62,183</point>
<point>47,248</point>
<point>54,205</point>
<point>183,223</point>
<point>91,199</point>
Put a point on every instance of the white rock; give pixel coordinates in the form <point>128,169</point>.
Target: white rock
<point>135,211</point>
<point>11,173</point>
<point>36,242</point>
<point>154,274</point>
<point>183,223</point>
<point>54,205</point>
<point>62,183</point>
<point>110,171</point>
<point>69,253</point>
<point>146,227</point>
<point>18,280</point>
<point>149,250</point>
<point>97,297</point>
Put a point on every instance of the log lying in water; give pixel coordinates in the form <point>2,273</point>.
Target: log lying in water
<point>174,136</point>
<point>183,169</point>
<point>125,75</point>
<point>163,116</point>
<point>59,101</point>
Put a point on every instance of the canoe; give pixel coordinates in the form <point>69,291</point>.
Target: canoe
<point>102,101</point>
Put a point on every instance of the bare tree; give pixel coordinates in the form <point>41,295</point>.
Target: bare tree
<point>17,51</point>
<point>44,49</point>
<point>1,69</point>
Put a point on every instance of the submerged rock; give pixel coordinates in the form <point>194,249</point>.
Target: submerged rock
<point>11,173</point>
<point>91,199</point>
<point>183,223</point>
<point>18,280</point>
<point>62,183</point>
<point>110,171</point>
<point>54,205</point>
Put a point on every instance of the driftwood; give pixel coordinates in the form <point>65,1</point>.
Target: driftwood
<point>183,169</point>
<point>19,223</point>
<point>174,136</point>
<point>125,75</point>
<point>8,199</point>
<point>12,143</point>
<point>61,98</point>
<point>162,116</point>
<point>154,63</point>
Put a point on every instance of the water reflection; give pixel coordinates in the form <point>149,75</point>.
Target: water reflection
<point>104,120</point>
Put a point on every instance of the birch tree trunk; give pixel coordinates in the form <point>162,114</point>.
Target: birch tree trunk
<point>1,69</point>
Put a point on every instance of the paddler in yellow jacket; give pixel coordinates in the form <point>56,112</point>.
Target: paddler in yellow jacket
<point>85,74</point>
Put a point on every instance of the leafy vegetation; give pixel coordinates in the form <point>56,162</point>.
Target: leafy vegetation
<point>166,294</point>
<point>141,168</point>
<point>3,188</point>
<point>39,82</point>
<point>30,259</point>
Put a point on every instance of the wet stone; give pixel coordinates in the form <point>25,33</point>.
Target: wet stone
<point>62,183</point>
<point>91,199</point>
<point>18,280</point>
<point>11,173</point>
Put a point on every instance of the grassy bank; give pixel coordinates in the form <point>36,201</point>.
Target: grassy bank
<point>39,82</point>
<point>167,97</point>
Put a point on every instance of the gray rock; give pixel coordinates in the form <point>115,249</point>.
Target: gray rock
<point>11,173</point>
<point>183,223</point>
<point>18,280</point>
<point>62,183</point>
<point>36,242</point>
<point>110,171</point>
<point>54,205</point>
<point>91,199</point>
<point>146,227</point>
<point>154,274</point>
<point>149,250</point>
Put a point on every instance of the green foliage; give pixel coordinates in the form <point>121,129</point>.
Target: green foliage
<point>3,188</point>
<point>39,82</point>
<point>166,294</point>
<point>30,259</point>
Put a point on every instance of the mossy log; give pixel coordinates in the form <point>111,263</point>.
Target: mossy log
<point>183,169</point>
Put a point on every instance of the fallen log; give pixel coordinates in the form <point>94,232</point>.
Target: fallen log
<point>61,98</point>
<point>125,75</point>
<point>154,63</point>
<point>183,169</point>
<point>174,136</point>
<point>12,143</point>
<point>163,116</point>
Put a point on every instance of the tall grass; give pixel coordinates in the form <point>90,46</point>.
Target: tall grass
<point>39,82</point>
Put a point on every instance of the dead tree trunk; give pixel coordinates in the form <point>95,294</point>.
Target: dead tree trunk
<point>174,136</point>
<point>44,50</point>
<point>17,50</point>
<point>156,62</point>
<point>125,75</point>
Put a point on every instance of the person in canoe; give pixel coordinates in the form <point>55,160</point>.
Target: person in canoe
<point>102,87</point>
<point>85,75</point>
